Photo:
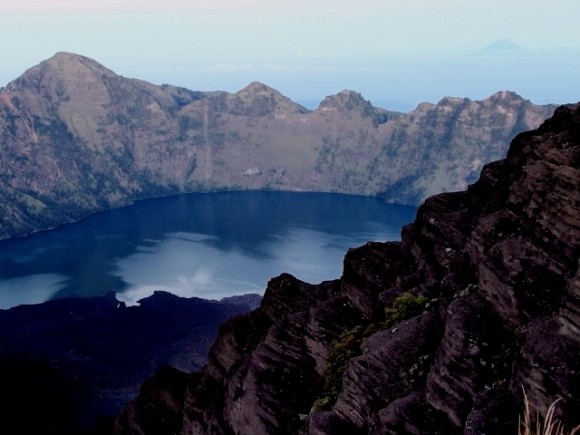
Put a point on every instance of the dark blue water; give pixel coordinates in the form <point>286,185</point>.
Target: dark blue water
<point>205,245</point>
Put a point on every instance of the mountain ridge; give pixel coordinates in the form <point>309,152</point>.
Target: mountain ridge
<point>77,138</point>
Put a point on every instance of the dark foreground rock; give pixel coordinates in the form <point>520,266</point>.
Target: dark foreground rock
<point>437,334</point>
<point>69,365</point>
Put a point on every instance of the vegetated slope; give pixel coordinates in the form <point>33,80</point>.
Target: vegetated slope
<point>76,138</point>
<point>436,334</point>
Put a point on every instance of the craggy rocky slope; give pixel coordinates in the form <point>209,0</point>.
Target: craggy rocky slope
<point>436,334</point>
<point>76,138</point>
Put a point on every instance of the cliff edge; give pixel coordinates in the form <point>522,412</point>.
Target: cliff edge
<point>436,334</point>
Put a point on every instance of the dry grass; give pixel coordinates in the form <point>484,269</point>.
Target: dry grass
<point>549,425</point>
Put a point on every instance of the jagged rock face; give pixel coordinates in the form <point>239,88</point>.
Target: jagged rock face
<point>76,138</point>
<point>495,274</point>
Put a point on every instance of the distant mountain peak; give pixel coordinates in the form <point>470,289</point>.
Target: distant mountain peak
<point>503,46</point>
<point>448,100</point>
<point>69,55</point>
<point>503,95</point>
<point>257,89</point>
<point>62,64</point>
<point>258,99</point>
<point>351,93</point>
<point>345,99</point>
<point>257,86</point>
<point>505,99</point>
<point>66,60</point>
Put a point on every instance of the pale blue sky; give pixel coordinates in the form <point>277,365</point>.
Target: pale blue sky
<point>395,52</point>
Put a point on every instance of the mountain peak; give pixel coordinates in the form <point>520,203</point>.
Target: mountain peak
<point>62,64</point>
<point>343,96</point>
<point>345,100</point>
<point>258,87</point>
<point>452,101</point>
<point>503,46</point>
<point>72,61</point>
<point>503,95</point>
<point>67,55</point>
<point>258,99</point>
<point>505,98</point>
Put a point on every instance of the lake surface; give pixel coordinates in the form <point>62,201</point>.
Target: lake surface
<point>205,245</point>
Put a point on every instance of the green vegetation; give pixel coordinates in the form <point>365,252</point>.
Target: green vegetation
<point>404,307</point>
<point>348,346</point>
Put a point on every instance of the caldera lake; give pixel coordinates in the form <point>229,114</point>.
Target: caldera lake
<point>207,245</point>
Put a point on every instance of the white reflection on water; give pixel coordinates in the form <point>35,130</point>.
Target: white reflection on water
<point>189,265</point>
<point>311,256</point>
<point>202,245</point>
<point>185,265</point>
<point>31,289</point>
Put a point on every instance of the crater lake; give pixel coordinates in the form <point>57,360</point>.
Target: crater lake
<point>208,245</point>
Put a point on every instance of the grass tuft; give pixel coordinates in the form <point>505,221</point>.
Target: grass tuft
<point>549,425</point>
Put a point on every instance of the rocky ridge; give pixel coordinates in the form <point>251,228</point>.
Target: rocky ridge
<point>76,138</point>
<point>436,334</point>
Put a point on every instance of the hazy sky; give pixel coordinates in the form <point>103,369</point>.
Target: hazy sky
<point>397,52</point>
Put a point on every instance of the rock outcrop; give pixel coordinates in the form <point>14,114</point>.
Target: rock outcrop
<point>76,138</point>
<point>437,334</point>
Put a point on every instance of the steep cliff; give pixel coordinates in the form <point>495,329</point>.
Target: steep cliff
<point>436,334</point>
<point>76,138</point>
